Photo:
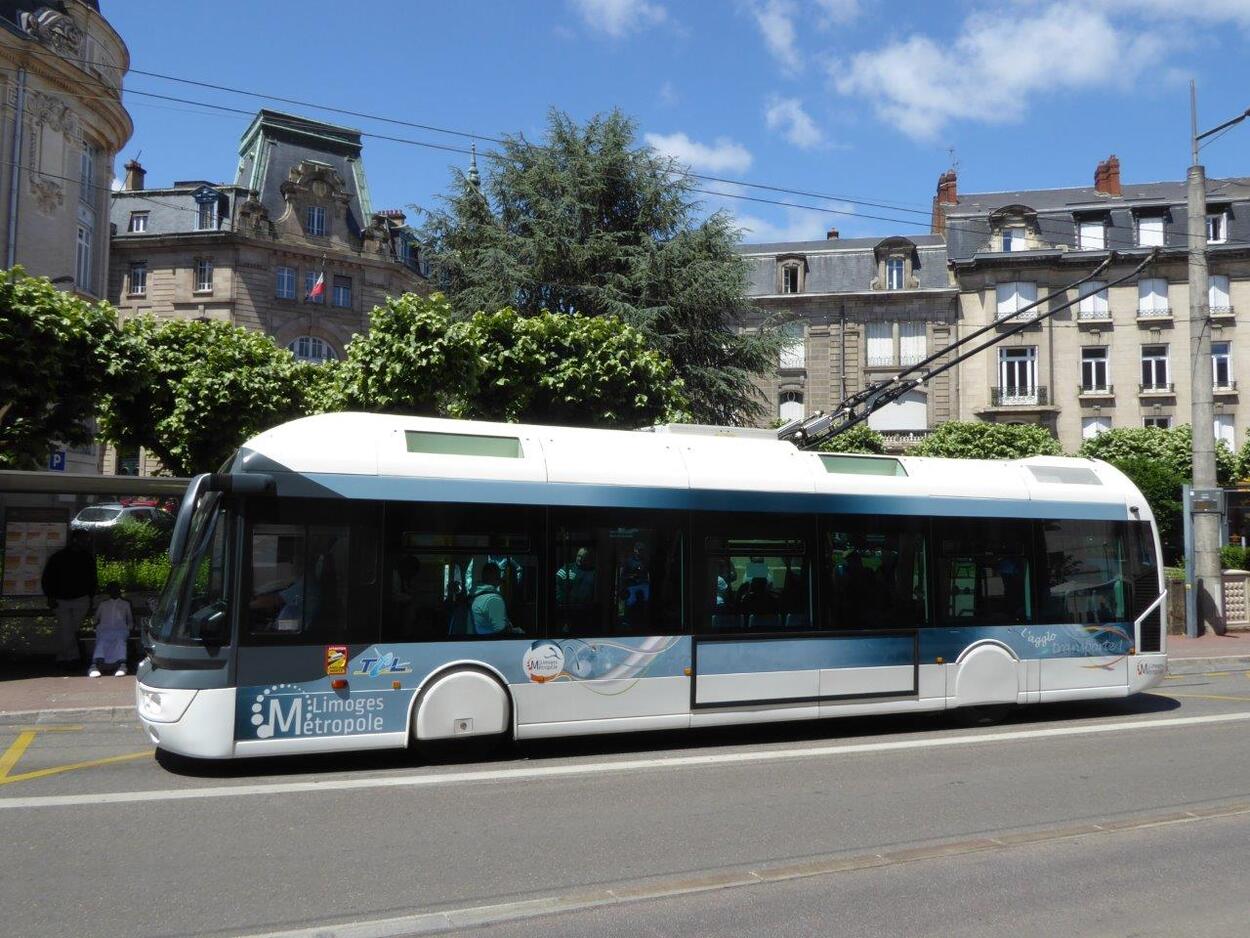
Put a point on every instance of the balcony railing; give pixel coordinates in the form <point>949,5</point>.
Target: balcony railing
<point>1097,390</point>
<point>1018,397</point>
<point>1022,317</point>
<point>1158,388</point>
<point>1093,315</point>
<point>1226,387</point>
<point>1154,312</point>
<point>1222,311</point>
<point>879,361</point>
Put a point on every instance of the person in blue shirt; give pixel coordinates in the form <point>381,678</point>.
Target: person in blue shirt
<point>488,613</point>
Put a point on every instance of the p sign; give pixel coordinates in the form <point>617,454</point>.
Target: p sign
<point>56,460</point>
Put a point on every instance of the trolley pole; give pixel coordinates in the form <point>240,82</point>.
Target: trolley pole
<point>1208,605</point>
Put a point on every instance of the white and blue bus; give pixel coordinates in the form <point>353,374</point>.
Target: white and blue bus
<point>358,581</point>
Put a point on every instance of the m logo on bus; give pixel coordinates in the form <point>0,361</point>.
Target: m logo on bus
<point>543,661</point>
<point>284,711</point>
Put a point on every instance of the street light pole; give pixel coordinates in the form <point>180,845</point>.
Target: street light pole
<point>1208,605</point>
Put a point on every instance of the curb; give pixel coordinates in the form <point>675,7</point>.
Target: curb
<point>1204,665</point>
<point>67,715</point>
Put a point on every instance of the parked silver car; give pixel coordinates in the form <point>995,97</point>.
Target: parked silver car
<point>101,518</point>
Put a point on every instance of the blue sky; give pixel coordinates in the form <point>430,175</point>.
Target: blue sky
<point>858,99</point>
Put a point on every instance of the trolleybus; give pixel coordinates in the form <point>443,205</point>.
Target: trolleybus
<point>359,581</point>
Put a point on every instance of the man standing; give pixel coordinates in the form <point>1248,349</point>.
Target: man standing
<point>69,582</point>
<point>487,610</point>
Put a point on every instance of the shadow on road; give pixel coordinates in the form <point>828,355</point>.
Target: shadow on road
<point>478,754</point>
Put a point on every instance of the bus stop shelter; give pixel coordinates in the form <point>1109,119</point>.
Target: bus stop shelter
<point>37,510</point>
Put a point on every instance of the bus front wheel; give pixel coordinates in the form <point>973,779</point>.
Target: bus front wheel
<point>465,703</point>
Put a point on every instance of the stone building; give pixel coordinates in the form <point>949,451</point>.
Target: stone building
<point>250,252</point>
<point>856,310</point>
<point>61,70</point>
<point>1121,357</point>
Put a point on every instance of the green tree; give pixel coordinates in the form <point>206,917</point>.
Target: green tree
<point>203,388</point>
<point>58,355</point>
<point>977,440</point>
<point>412,360</point>
<point>1172,447</point>
<point>861,438</point>
<point>1160,483</point>
<point>569,370</point>
<point>592,223</point>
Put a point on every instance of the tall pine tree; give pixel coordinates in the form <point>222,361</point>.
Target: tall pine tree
<point>591,222</point>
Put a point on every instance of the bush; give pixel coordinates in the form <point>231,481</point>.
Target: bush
<point>131,540</point>
<point>1234,557</point>
<point>1172,447</point>
<point>147,574</point>
<point>977,440</point>
<point>861,438</point>
<point>1161,484</point>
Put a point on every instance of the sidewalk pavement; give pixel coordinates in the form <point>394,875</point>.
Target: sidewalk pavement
<point>59,699</point>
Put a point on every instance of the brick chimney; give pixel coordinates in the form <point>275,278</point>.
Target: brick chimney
<point>831,234</point>
<point>947,194</point>
<point>135,174</point>
<point>1107,176</point>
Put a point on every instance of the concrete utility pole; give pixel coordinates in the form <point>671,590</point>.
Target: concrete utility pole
<point>1206,500</point>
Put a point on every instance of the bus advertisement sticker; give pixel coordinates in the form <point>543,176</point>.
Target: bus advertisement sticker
<point>336,659</point>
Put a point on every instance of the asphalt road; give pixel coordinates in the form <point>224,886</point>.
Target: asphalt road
<point>1123,817</point>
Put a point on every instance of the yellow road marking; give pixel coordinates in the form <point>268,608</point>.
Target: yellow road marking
<point>49,728</point>
<point>73,766</point>
<point>15,751</point>
<point>1209,697</point>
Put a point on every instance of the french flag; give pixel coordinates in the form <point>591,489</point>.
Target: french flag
<point>318,289</point>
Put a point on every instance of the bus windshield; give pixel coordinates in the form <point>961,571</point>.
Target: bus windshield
<point>192,607</point>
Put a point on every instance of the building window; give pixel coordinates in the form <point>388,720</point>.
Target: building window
<point>1150,231</point>
<point>1224,430</point>
<point>310,283</point>
<point>1015,296</point>
<point>127,461</point>
<point>284,283</point>
<point>790,278</point>
<point>1154,368</point>
<point>1221,365</point>
<point>308,348</point>
<point>1093,303</point>
<point>912,342</point>
<point>879,338</point>
<point>1092,426</point>
<point>138,222</point>
<point>895,267</point>
<point>1217,228</point>
<point>315,220</point>
<point>794,346</point>
<point>790,406</point>
<point>343,291</point>
<point>1017,375</point>
<point>1217,294</point>
<point>1152,297</point>
<point>203,275</point>
<point>86,174</point>
<point>82,258</point>
<point>138,285</point>
<point>1014,239</point>
<point>1157,423</point>
<point>1094,369</point>
<point>206,217</point>
<point>1092,236</point>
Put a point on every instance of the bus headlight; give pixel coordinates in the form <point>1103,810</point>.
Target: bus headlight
<point>164,704</point>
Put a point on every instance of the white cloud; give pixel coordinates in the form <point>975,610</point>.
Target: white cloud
<point>788,116</point>
<point>668,94</point>
<point>994,66</point>
<point>1208,12</point>
<point>838,12</point>
<point>723,156</point>
<point>619,18</point>
<point>116,184</point>
<point>775,19</point>
<point>800,224</point>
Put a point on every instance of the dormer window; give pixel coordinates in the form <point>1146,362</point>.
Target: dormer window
<point>895,273</point>
<point>1150,231</point>
<point>1217,228</point>
<point>1092,235</point>
<point>1014,239</point>
<point>206,218</point>
<point>315,221</point>
<point>791,274</point>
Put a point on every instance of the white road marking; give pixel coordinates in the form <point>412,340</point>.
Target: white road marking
<point>607,768</point>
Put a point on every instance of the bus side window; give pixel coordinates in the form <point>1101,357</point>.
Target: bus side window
<point>985,572</point>
<point>756,578</point>
<point>875,573</point>
<point>299,580</point>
